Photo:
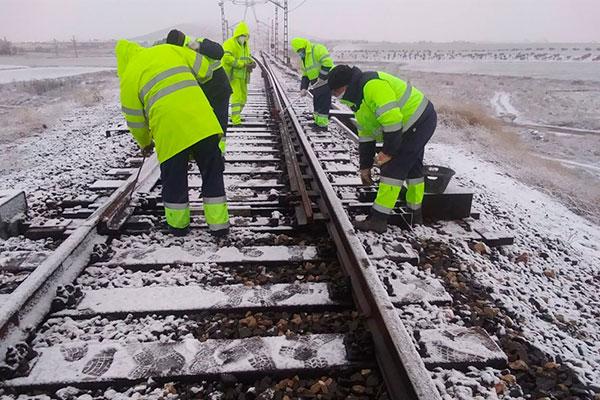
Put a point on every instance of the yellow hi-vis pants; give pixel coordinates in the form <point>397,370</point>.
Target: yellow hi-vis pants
<point>238,99</point>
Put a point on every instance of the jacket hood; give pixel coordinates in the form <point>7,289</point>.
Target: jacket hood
<point>241,29</point>
<point>354,92</point>
<point>125,51</point>
<point>299,43</point>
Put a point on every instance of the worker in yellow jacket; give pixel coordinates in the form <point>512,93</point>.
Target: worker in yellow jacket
<point>238,65</point>
<point>165,108</point>
<point>393,112</point>
<point>215,85</point>
<point>316,64</point>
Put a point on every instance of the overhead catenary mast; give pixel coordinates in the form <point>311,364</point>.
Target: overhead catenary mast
<point>286,26</point>
<point>223,21</point>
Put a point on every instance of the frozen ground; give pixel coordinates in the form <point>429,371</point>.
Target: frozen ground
<point>53,144</point>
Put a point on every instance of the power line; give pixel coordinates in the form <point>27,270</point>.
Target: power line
<point>298,6</point>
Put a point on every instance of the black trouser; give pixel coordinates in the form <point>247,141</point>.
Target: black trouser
<point>322,104</point>
<point>217,91</point>
<point>407,162</point>
<point>174,177</point>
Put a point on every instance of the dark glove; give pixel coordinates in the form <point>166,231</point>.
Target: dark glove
<point>365,177</point>
<point>146,151</point>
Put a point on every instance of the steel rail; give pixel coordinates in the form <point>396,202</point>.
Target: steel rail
<point>401,365</point>
<point>31,301</point>
<point>295,175</point>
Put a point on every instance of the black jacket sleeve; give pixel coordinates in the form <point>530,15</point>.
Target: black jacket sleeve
<point>304,83</point>
<point>211,49</point>
<point>366,152</point>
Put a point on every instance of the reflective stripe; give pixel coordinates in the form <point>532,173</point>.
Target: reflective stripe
<point>392,128</point>
<point>323,57</point>
<point>216,213</point>
<point>139,125</point>
<point>215,200</point>
<point>168,90</point>
<point>197,65</point>
<point>236,112</point>
<point>416,115</point>
<point>414,206</point>
<point>382,209</point>
<point>405,96</point>
<point>131,111</point>
<point>236,105</point>
<point>385,108</point>
<point>415,192</point>
<point>387,195</point>
<point>178,218</point>
<point>176,206</point>
<point>218,227</point>
<point>391,181</point>
<point>245,58</point>
<point>415,181</point>
<point>163,75</point>
<point>366,139</point>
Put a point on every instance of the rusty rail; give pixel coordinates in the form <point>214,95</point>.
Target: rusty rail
<point>402,367</point>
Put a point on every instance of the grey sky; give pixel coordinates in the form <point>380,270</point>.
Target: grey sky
<point>393,20</point>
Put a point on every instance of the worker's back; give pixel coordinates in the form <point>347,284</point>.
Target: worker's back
<point>162,81</point>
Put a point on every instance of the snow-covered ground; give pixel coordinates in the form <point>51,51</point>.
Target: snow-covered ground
<point>20,73</point>
<point>54,145</point>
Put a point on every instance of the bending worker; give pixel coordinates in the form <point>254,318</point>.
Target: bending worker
<point>238,65</point>
<point>162,102</point>
<point>316,64</point>
<point>215,84</point>
<point>391,111</point>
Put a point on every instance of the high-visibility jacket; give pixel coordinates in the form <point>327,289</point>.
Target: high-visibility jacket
<point>161,98</point>
<point>316,62</point>
<point>237,57</point>
<point>385,107</point>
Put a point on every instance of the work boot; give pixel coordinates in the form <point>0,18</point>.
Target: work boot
<point>179,231</point>
<point>376,222</point>
<point>319,128</point>
<point>417,217</point>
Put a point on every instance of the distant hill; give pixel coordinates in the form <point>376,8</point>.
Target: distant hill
<point>195,30</point>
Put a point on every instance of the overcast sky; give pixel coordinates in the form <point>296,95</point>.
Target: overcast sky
<point>392,20</point>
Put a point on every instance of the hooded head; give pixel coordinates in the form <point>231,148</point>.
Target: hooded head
<point>339,79</point>
<point>125,51</point>
<point>299,44</point>
<point>241,29</point>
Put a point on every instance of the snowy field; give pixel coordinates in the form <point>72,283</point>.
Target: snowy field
<point>542,124</point>
<point>531,69</point>
<point>20,73</point>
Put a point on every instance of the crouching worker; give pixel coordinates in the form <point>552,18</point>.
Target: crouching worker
<point>391,111</point>
<point>163,103</point>
<point>215,83</point>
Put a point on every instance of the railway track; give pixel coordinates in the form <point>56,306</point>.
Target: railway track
<point>292,303</point>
